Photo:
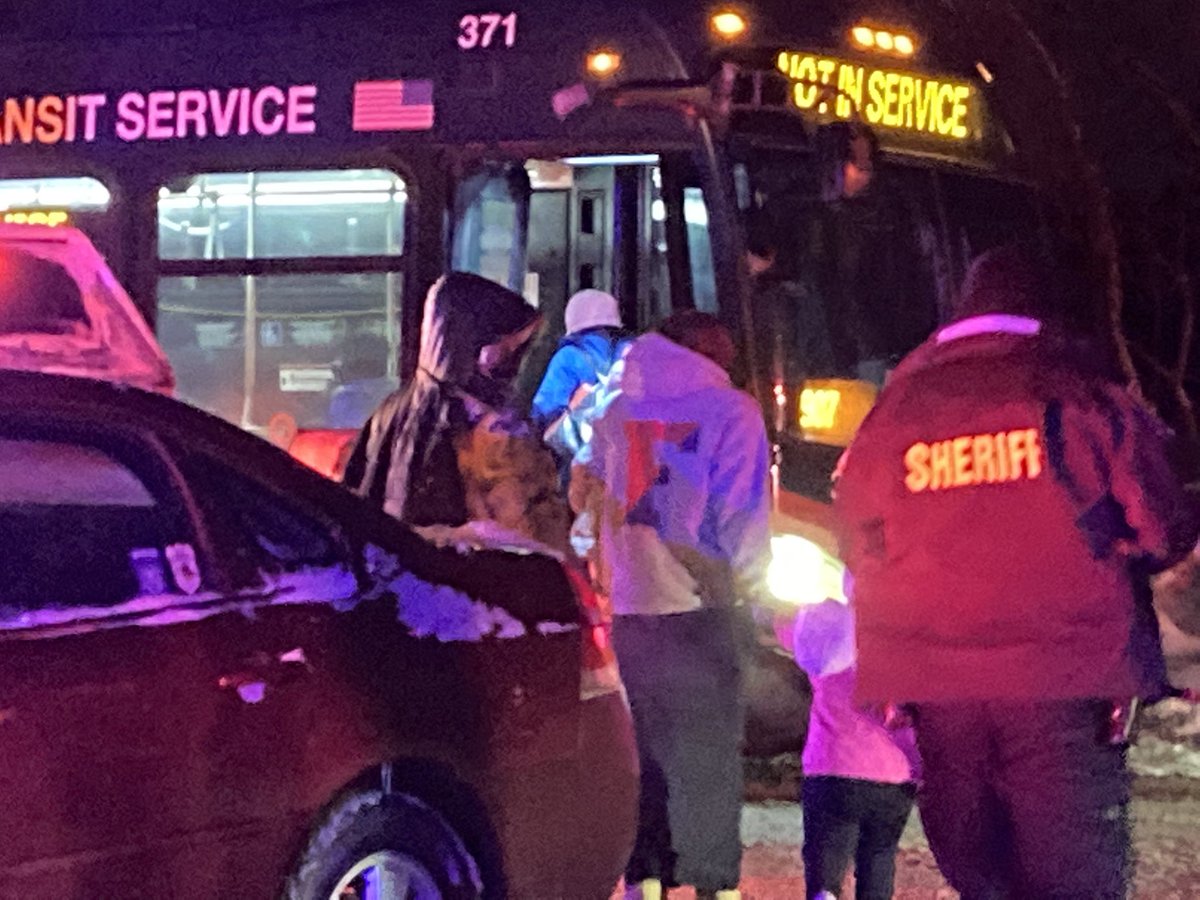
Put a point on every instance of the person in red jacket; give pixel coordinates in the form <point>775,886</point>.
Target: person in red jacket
<point>1001,509</point>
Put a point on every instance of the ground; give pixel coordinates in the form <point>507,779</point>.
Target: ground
<point>1166,813</point>
<point>1166,836</point>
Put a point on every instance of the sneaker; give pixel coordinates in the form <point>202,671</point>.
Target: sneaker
<point>646,889</point>
<point>719,895</point>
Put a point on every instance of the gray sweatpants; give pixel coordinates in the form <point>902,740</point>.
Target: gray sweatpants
<point>683,677</point>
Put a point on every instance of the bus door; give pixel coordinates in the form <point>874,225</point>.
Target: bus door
<point>633,225</point>
<point>591,237</point>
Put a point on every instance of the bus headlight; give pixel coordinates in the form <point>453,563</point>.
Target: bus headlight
<point>801,573</point>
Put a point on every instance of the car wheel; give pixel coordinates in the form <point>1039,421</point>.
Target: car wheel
<point>374,846</point>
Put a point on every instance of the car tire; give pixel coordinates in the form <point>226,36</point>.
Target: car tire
<point>391,838</point>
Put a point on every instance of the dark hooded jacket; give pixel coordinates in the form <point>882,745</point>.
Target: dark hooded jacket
<point>442,450</point>
<point>999,509</point>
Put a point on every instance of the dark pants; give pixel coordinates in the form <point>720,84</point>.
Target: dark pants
<point>1025,800</point>
<point>847,819</point>
<point>684,683</point>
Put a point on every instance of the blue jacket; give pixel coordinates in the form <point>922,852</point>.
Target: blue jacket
<point>581,358</point>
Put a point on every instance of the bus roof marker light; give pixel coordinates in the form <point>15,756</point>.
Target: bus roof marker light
<point>863,36</point>
<point>728,24</point>
<point>984,72</point>
<point>603,63</point>
<point>883,39</point>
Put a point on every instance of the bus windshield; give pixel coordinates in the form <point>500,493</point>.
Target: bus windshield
<point>849,280</point>
<point>841,288</point>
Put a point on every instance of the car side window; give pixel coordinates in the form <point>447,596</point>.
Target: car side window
<point>87,522</point>
<point>265,530</point>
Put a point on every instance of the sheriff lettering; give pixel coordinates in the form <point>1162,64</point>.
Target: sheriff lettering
<point>974,459</point>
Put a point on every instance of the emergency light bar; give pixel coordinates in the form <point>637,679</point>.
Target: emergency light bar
<point>50,217</point>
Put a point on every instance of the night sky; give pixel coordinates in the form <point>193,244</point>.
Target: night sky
<point>1126,125</point>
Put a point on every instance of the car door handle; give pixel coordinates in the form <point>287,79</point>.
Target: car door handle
<point>263,671</point>
<point>250,687</point>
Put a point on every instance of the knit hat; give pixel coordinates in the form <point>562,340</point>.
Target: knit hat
<point>592,309</point>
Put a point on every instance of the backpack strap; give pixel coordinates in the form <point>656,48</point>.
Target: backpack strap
<point>600,366</point>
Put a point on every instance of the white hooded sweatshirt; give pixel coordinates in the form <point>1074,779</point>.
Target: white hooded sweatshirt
<point>684,460</point>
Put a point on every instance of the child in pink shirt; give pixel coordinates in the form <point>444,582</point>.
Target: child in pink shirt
<point>859,773</point>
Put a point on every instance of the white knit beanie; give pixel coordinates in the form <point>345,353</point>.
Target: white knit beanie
<point>592,309</point>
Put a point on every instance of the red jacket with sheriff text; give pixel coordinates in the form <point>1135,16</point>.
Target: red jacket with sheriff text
<point>999,510</point>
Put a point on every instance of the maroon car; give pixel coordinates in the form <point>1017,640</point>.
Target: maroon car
<point>221,675</point>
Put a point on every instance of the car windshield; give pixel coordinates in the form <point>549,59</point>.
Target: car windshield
<point>37,296</point>
<point>62,310</point>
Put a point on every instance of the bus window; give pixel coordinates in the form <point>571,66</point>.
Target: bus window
<point>876,271</point>
<point>202,328</point>
<point>282,215</point>
<point>53,193</point>
<point>279,293</point>
<point>81,202</point>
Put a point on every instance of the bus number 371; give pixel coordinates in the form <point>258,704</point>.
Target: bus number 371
<point>480,31</point>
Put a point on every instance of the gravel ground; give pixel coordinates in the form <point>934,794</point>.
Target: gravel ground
<point>1166,838</point>
<point>1166,814</point>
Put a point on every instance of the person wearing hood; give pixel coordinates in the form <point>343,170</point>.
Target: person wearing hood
<point>593,342</point>
<point>1001,509</point>
<point>860,766</point>
<point>445,449</point>
<point>683,459</point>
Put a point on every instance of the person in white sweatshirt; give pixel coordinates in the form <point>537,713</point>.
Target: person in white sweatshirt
<point>683,528</point>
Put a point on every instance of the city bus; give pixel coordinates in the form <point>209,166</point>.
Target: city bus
<point>278,186</point>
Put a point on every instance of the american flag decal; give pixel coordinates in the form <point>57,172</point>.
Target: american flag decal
<point>393,106</point>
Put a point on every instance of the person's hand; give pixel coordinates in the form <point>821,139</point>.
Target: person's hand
<point>783,626</point>
<point>892,716</point>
